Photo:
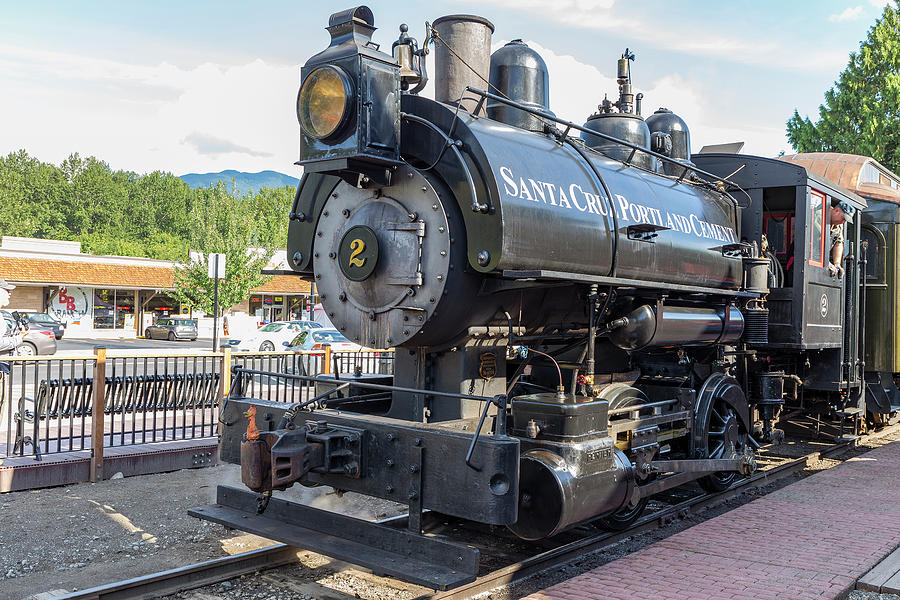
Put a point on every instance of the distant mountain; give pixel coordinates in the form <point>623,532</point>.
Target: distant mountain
<point>242,181</point>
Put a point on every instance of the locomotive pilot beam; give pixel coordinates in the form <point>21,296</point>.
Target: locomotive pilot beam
<point>578,322</point>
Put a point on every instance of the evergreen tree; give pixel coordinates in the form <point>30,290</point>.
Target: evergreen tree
<point>861,114</point>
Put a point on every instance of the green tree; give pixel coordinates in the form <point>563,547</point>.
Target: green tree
<point>223,223</point>
<point>861,114</point>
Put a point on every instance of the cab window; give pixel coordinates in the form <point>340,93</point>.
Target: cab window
<point>817,228</point>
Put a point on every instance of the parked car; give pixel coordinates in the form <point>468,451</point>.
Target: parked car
<point>351,355</point>
<point>37,340</point>
<point>272,336</point>
<point>45,321</point>
<point>172,328</point>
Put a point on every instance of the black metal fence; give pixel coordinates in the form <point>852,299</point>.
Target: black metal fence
<point>47,403</point>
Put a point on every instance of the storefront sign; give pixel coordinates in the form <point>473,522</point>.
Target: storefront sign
<point>71,304</point>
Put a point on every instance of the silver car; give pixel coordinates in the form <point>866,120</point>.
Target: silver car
<point>37,340</point>
<point>171,328</point>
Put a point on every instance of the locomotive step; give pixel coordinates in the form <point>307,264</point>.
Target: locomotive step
<point>850,411</point>
<point>427,561</point>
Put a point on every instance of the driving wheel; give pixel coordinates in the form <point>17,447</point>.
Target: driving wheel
<point>722,430</point>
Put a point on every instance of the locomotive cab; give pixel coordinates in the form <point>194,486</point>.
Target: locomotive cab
<point>814,316</point>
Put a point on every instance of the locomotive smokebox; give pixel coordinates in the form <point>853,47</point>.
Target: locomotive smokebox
<point>469,63</point>
<point>520,74</point>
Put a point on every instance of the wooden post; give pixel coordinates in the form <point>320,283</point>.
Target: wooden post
<point>326,368</point>
<point>97,414</point>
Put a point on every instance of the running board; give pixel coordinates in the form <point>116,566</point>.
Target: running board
<point>427,561</point>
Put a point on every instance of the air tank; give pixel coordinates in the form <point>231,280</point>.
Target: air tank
<point>520,74</point>
<point>665,123</point>
<point>624,126</point>
<point>468,64</point>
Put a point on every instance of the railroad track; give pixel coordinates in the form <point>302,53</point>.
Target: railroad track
<point>218,570</point>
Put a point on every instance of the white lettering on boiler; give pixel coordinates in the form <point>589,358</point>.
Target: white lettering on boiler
<point>555,195</point>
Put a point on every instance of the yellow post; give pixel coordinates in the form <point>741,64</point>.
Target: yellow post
<point>224,384</point>
<point>97,414</point>
<point>326,368</point>
<point>225,373</point>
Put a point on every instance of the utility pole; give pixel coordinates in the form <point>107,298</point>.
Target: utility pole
<point>216,272</point>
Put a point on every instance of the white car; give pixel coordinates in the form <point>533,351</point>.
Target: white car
<point>349,355</point>
<point>272,336</point>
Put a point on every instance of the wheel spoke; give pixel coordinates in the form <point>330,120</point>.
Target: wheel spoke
<point>717,451</point>
<point>718,416</point>
<point>716,432</point>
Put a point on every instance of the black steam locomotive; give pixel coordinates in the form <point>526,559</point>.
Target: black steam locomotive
<point>583,316</point>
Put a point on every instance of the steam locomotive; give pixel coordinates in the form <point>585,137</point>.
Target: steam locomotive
<point>583,315</point>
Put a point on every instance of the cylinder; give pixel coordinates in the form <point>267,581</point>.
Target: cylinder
<point>469,64</point>
<point>678,326</point>
<point>520,74</point>
<point>553,497</point>
<point>768,388</point>
<point>756,275</point>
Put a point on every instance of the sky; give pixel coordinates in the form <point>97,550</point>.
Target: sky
<point>194,87</point>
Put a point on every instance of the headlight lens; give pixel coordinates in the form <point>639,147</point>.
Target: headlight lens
<point>324,101</point>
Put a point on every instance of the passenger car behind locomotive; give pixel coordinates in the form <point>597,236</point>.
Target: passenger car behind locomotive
<point>579,323</point>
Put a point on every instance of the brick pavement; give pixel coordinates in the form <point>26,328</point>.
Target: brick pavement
<point>810,540</point>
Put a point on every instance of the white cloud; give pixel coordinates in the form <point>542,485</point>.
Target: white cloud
<point>146,117</point>
<point>849,14</point>
<point>880,4</point>
<point>576,88</point>
<point>691,38</point>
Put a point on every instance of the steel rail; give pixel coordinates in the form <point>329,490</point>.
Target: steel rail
<point>217,570</point>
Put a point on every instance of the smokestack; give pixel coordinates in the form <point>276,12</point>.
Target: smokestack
<point>470,38</point>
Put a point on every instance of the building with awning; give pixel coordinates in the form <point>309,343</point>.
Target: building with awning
<point>120,295</point>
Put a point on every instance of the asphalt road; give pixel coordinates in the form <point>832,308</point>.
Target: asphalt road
<point>87,345</point>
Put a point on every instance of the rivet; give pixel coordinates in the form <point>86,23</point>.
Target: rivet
<point>315,254</point>
<point>332,255</point>
<point>324,213</point>
<point>434,207</point>
<point>406,332</point>
<point>389,462</point>
<point>410,175</point>
<point>318,276</point>
<point>319,234</point>
<point>342,296</point>
<point>297,258</point>
<point>413,468</point>
<point>390,340</point>
<point>431,300</point>
<point>389,488</point>
<point>441,229</point>
<point>334,195</point>
<point>440,277</point>
<point>443,253</point>
<point>413,495</point>
<point>391,437</point>
<point>346,213</point>
<point>424,189</point>
<point>322,296</point>
<point>417,442</point>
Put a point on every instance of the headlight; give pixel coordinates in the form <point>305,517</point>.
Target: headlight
<point>324,101</point>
